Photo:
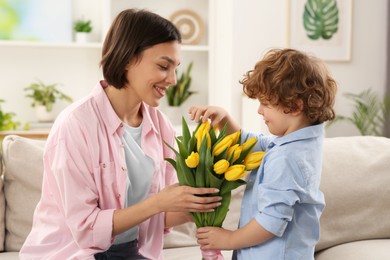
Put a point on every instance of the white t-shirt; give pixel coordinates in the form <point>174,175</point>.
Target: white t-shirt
<point>140,169</point>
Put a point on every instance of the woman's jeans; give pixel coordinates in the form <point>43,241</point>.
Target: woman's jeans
<point>128,251</point>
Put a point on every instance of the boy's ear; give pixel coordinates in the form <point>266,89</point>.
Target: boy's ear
<point>299,110</point>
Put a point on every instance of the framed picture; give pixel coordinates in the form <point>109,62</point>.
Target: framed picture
<point>321,27</point>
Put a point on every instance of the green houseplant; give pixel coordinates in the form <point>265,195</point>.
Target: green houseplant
<point>82,30</point>
<point>45,94</point>
<point>82,25</point>
<point>179,93</point>
<point>370,113</point>
<point>7,121</point>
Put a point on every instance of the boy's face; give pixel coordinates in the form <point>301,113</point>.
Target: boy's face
<point>278,122</point>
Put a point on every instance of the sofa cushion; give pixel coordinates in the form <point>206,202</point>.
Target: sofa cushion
<point>376,249</point>
<point>22,186</point>
<point>184,235</point>
<point>355,181</point>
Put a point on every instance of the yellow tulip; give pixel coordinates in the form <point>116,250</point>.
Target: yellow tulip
<point>235,136</point>
<point>253,160</point>
<point>248,143</point>
<point>221,166</point>
<point>192,160</point>
<point>235,172</point>
<point>202,132</point>
<point>237,149</point>
<point>224,144</point>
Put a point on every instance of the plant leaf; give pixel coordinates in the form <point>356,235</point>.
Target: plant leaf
<point>320,19</point>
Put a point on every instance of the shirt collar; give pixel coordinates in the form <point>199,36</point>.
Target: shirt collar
<point>112,122</point>
<point>309,132</point>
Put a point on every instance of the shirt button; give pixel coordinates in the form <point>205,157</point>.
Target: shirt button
<point>122,145</point>
<point>104,165</point>
<point>123,168</point>
<point>119,196</point>
<point>121,125</point>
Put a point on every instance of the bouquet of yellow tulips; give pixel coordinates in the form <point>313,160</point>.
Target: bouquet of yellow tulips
<point>213,160</point>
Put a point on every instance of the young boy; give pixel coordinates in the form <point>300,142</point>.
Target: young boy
<point>282,203</point>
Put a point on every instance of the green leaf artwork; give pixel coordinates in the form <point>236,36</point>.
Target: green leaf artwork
<point>321,19</point>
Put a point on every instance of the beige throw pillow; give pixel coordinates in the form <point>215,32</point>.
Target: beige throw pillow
<point>356,184</point>
<point>22,186</point>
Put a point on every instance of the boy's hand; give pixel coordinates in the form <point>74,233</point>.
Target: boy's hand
<point>214,238</point>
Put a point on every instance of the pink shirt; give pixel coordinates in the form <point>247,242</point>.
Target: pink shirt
<point>85,180</point>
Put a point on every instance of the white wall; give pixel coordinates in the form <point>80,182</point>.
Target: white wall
<point>257,26</point>
<point>255,32</point>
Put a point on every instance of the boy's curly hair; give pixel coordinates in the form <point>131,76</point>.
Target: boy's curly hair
<point>288,78</point>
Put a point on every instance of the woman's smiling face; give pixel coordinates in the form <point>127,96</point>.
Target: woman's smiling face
<point>154,71</point>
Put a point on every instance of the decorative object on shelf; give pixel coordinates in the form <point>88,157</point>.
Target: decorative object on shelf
<point>82,30</point>
<point>213,159</point>
<point>44,97</point>
<point>7,120</point>
<point>190,25</point>
<point>321,27</point>
<point>176,95</point>
<point>370,114</point>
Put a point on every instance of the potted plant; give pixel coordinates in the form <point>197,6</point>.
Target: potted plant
<point>44,97</point>
<point>370,113</point>
<point>82,29</point>
<point>177,94</point>
<point>7,120</point>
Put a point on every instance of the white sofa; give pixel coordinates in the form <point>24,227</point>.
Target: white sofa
<point>354,226</point>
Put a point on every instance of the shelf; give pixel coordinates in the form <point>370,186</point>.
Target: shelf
<point>33,134</point>
<point>194,47</point>
<point>92,45</point>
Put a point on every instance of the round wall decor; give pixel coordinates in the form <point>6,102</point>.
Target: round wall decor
<point>190,25</point>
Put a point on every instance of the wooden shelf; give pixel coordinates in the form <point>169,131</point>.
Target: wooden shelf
<point>33,134</point>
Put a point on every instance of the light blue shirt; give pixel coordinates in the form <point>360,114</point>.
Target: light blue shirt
<point>283,195</point>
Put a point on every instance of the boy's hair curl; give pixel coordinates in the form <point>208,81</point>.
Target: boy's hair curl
<point>288,78</point>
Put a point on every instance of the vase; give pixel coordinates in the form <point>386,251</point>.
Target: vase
<point>212,255</point>
<point>43,115</point>
<point>82,37</point>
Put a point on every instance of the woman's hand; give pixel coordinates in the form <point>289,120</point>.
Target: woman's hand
<point>177,198</point>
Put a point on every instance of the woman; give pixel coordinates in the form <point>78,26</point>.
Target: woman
<point>107,191</point>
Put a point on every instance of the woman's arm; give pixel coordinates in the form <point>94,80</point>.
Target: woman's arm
<point>175,199</point>
<point>176,218</point>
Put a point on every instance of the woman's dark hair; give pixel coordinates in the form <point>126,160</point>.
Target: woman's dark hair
<point>131,32</point>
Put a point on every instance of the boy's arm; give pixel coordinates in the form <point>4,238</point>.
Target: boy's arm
<point>217,238</point>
